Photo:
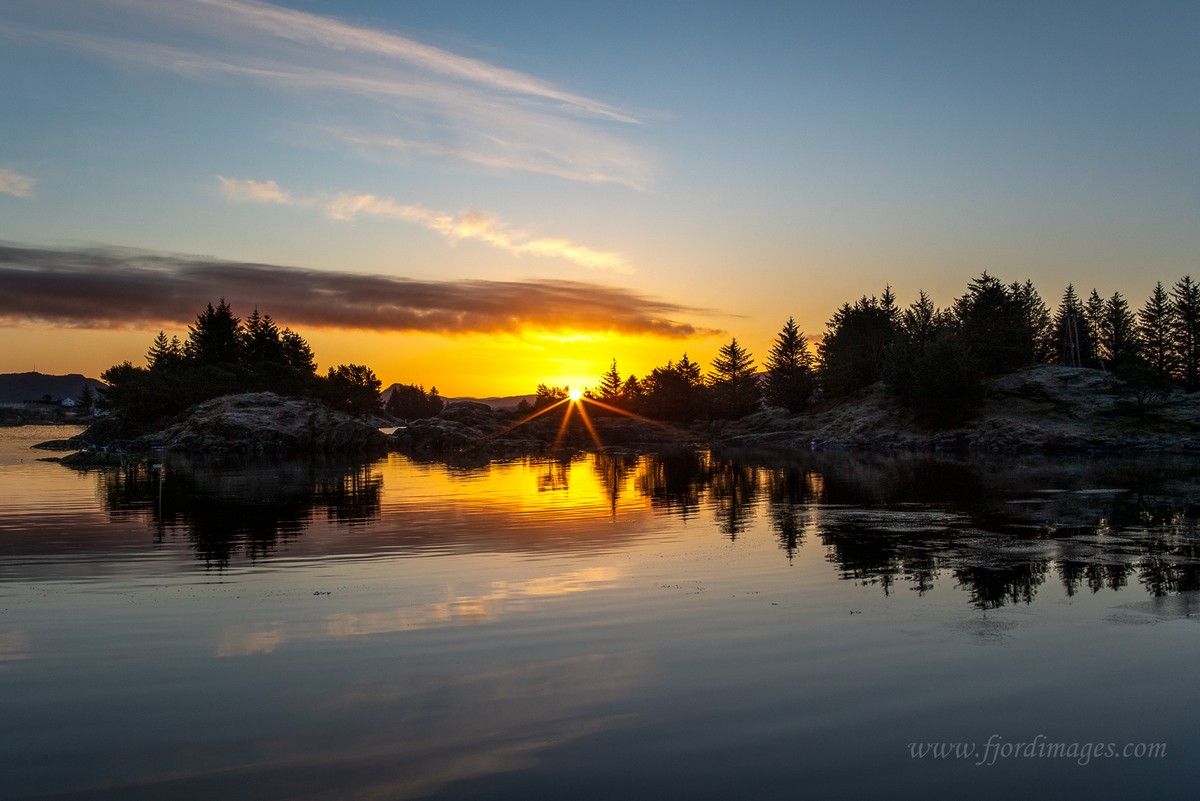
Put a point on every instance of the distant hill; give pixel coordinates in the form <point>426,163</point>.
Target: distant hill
<point>506,402</point>
<point>21,387</point>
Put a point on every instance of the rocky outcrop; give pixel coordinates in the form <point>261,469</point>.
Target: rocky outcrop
<point>266,423</point>
<point>1038,409</point>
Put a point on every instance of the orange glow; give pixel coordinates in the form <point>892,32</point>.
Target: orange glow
<point>477,366</point>
<point>575,394</point>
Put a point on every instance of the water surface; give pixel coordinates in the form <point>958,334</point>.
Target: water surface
<point>679,625</point>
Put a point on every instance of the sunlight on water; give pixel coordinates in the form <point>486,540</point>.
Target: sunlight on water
<point>566,627</point>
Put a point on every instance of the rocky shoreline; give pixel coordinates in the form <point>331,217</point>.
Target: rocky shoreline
<point>1040,409</point>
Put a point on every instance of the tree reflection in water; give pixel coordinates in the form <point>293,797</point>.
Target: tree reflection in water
<point>242,506</point>
<point>999,529</point>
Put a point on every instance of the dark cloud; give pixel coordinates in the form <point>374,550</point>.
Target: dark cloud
<point>101,287</point>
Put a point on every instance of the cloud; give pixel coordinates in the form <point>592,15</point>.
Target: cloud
<point>477,225</point>
<point>408,97</point>
<point>15,184</point>
<point>251,191</point>
<point>104,287</point>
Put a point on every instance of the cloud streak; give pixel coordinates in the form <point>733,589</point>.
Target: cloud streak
<point>104,287</point>
<point>472,225</point>
<point>15,184</point>
<point>411,98</point>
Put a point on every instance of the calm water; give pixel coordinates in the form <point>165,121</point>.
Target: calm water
<point>684,625</point>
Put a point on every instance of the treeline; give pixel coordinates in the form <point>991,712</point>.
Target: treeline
<point>933,361</point>
<point>223,355</point>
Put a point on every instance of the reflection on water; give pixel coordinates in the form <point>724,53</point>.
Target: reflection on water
<point>566,627</point>
<point>1000,529</point>
<point>249,507</point>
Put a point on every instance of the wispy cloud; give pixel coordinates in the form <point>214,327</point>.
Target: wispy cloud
<point>247,190</point>
<point>15,184</point>
<point>473,224</point>
<point>104,287</point>
<point>412,98</point>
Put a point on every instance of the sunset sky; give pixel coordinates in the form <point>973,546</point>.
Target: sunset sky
<point>484,195</point>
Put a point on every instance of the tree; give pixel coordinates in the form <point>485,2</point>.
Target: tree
<point>1037,318</point>
<point>734,385</point>
<point>669,393</point>
<point>548,396</point>
<point>1118,341</point>
<point>164,354</point>
<point>352,388</point>
<point>216,338</point>
<point>412,402</point>
<point>994,326</point>
<point>297,353</point>
<point>938,382</point>
<point>611,384</point>
<point>789,369</point>
<point>1154,330</point>
<point>854,350</point>
<point>261,342</point>
<point>1185,331</point>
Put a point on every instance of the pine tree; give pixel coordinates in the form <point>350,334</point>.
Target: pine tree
<point>1119,343</point>
<point>298,355</point>
<point>610,383</point>
<point>920,322</point>
<point>216,338</point>
<point>992,325</point>
<point>789,380</point>
<point>689,370</point>
<point>164,354</point>
<point>735,388</point>
<point>1154,330</point>
<point>1185,331</point>
<point>854,350</point>
<point>261,343</point>
<point>1037,317</point>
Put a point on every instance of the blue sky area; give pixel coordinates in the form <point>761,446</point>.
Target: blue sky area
<point>714,167</point>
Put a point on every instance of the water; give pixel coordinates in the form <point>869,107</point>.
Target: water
<point>683,625</point>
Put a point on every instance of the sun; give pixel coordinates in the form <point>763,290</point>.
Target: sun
<point>575,394</point>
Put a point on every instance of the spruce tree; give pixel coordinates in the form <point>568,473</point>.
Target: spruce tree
<point>1154,330</point>
<point>610,383</point>
<point>789,379</point>
<point>1119,343</point>
<point>734,385</point>
<point>1037,318</point>
<point>216,338</point>
<point>992,325</point>
<point>1185,331</point>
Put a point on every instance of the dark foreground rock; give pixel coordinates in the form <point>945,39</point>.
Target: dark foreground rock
<point>254,423</point>
<point>1045,409</point>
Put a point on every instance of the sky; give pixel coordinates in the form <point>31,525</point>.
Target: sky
<point>486,196</point>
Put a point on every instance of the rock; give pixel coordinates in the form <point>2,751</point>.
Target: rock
<point>266,423</point>
<point>1045,408</point>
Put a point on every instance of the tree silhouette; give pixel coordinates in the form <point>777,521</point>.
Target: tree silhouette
<point>216,338</point>
<point>352,388</point>
<point>1118,342</point>
<point>1185,330</point>
<point>1154,329</point>
<point>994,325</point>
<point>854,351</point>
<point>789,369</point>
<point>610,383</point>
<point>734,385</point>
